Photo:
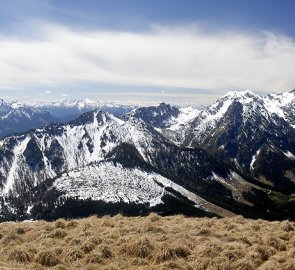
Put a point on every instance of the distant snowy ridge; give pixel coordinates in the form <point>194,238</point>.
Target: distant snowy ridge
<point>70,109</point>
<point>17,117</point>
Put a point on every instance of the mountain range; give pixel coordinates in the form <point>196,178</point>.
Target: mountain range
<point>17,117</point>
<point>67,110</point>
<point>254,134</point>
<point>233,157</point>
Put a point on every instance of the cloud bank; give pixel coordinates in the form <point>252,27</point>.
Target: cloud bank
<point>168,57</point>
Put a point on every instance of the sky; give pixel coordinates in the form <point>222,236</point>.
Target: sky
<point>145,51</point>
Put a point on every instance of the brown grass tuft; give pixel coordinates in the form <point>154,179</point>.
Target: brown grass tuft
<point>19,255</point>
<point>105,252</point>
<point>290,265</point>
<point>72,224</point>
<point>11,238</point>
<point>287,226</point>
<point>140,248</point>
<point>165,253</point>
<point>58,233</point>
<point>47,258</point>
<point>154,217</point>
<point>88,246</point>
<point>60,223</point>
<point>276,243</point>
<point>73,255</point>
<point>243,264</point>
<point>94,258</point>
<point>154,229</point>
<point>20,231</point>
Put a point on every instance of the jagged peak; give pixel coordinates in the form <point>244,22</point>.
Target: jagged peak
<point>220,107</point>
<point>96,115</point>
<point>165,105</point>
<point>16,104</point>
<point>244,97</point>
<point>3,102</point>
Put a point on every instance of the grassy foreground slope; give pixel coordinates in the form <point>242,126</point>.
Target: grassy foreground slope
<point>149,243</point>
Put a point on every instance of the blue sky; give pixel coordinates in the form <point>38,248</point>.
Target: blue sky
<point>180,51</point>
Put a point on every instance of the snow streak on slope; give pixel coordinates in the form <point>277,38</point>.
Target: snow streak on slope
<point>18,151</point>
<point>288,154</point>
<point>254,159</point>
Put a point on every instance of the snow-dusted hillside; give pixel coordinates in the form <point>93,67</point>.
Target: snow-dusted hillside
<point>112,182</point>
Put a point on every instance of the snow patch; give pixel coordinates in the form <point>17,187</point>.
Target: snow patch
<point>254,159</point>
<point>290,155</point>
<point>17,151</point>
<point>186,115</point>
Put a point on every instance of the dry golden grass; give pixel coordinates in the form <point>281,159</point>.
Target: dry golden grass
<point>148,243</point>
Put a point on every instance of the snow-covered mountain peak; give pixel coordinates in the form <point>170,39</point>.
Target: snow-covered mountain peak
<point>3,102</point>
<point>241,106</point>
<point>4,106</point>
<point>244,97</point>
<point>97,117</point>
<point>241,94</point>
<point>250,103</point>
<point>16,104</point>
<point>283,105</point>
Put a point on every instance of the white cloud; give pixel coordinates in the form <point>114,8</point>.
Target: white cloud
<point>175,57</point>
<point>48,92</point>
